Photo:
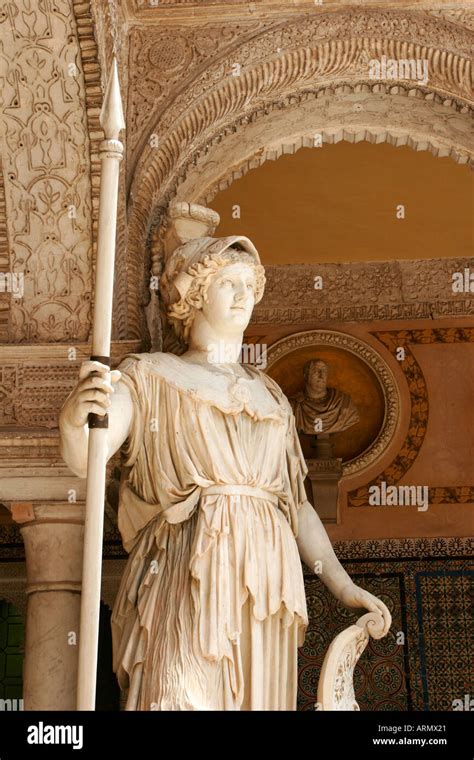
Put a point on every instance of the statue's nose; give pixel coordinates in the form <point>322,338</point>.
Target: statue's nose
<point>239,294</point>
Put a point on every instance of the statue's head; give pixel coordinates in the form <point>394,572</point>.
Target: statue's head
<point>219,279</point>
<point>316,375</point>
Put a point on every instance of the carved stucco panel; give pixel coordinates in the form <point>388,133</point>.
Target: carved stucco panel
<point>46,166</point>
<point>311,49</point>
<point>165,61</point>
<point>349,284</point>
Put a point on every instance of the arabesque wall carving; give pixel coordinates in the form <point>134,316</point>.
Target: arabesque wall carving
<point>46,166</point>
<point>416,289</point>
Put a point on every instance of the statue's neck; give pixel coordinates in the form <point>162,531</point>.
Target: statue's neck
<point>208,345</point>
<point>316,394</point>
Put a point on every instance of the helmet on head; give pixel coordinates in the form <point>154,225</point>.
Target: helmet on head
<point>176,279</point>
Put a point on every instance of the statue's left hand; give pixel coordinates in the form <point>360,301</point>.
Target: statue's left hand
<point>355,596</point>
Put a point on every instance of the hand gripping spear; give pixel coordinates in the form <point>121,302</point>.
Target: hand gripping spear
<point>111,151</point>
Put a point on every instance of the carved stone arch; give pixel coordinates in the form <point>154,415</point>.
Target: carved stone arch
<point>321,55</point>
<point>353,114</point>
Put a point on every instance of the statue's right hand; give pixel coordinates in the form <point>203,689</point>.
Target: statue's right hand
<point>91,394</point>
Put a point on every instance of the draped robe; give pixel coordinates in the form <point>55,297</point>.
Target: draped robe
<point>211,608</point>
<point>336,412</point>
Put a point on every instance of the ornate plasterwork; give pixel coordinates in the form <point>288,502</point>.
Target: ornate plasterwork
<point>378,366</point>
<point>140,5</point>
<point>4,261</point>
<point>299,59</point>
<point>345,130</point>
<point>46,165</point>
<point>386,290</point>
<point>29,397</point>
<point>73,83</point>
<point>364,312</point>
<point>462,16</point>
<point>372,282</point>
<point>311,51</point>
<point>458,11</point>
<point>379,113</point>
<point>164,61</point>
<point>35,381</point>
<point>314,49</point>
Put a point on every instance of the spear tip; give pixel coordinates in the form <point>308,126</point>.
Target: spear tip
<point>111,116</point>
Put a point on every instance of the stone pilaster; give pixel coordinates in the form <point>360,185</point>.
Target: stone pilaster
<point>53,536</point>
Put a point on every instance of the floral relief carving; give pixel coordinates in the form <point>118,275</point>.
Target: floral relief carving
<point>46,171</point>
<point>163,60</point>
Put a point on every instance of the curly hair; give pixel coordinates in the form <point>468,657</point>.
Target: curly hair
<point>181,314</point>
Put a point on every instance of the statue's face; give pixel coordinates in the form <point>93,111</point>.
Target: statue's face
<point>318,376</point>
<point>230,298</point>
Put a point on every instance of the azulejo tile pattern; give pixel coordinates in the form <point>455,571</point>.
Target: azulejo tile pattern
<point>425,662</point>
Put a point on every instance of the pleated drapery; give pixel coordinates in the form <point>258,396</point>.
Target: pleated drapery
<point>211,608</point>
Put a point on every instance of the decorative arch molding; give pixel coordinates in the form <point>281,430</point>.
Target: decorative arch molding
<point>338,49</point>
<point>312,49</point>
<point>322,55</point>
<point>351,114</point>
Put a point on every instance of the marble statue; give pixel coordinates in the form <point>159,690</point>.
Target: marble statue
<point>319,408</point>
<point>213,510</point>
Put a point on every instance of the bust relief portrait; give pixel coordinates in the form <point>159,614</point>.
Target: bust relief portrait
<point>319,408</point>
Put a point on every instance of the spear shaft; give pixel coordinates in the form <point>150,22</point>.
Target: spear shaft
<point>111,152</point>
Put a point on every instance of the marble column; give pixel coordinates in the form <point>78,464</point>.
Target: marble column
<point>53,536</point>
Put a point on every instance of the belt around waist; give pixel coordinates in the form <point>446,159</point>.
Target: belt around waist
<point>236,490</point>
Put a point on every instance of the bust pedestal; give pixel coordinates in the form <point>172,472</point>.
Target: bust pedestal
<point>324,475</point>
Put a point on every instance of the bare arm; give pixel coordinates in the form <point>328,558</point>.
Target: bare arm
<point>316,551</point>
<point>102,393</point>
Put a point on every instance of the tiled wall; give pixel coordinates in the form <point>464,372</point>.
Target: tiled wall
<point>431,601</point>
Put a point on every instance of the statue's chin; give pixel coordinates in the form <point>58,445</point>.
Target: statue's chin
<point>239,319</point>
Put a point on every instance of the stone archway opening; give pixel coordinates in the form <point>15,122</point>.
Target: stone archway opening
<point>347,202</point>
<point>271,92</point>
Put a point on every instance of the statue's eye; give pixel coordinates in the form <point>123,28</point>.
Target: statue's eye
<point>249,286</point>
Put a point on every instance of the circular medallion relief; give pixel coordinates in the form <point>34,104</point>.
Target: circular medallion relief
<point>169,53</point>
<point>364,398</point>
